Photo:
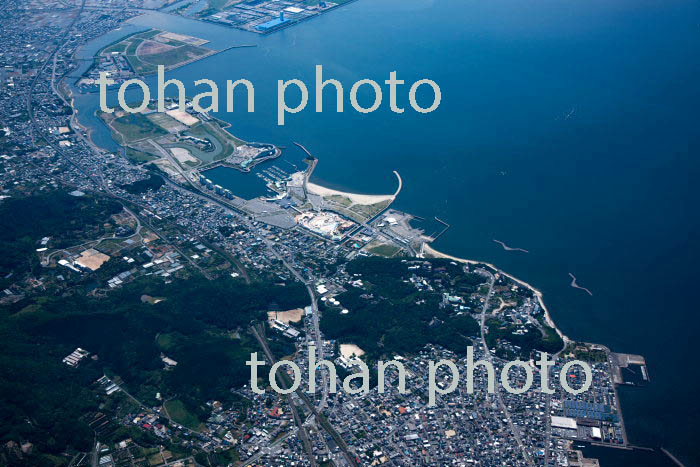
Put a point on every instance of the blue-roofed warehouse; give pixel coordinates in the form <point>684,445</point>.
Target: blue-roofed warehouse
<point>270,25</point>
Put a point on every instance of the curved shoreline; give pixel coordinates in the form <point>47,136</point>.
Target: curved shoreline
<point>426,248</point>
<point>355,198</point>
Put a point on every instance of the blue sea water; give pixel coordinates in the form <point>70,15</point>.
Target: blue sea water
<point>567,128</point>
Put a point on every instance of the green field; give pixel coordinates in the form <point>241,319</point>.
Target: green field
<point>119,47</point>
<point>138,65</point>
<point>139,156</point>
<point>357,212</point>
<point>370,210</point>
<point>341,200</point>
<point>385,250</point>
<point>149,34</point>
<point>135,127</point>
<point>178,412</point>
<point>133,44</point>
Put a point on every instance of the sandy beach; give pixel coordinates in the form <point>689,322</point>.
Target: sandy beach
<point>356,198</point>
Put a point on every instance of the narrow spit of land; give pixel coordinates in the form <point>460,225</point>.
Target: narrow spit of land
<point>575,285</point>
<point>508,248</point>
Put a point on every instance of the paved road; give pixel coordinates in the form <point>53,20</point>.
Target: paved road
<point>303,434</point>
<point>320,419</point>
<point>514,429</point>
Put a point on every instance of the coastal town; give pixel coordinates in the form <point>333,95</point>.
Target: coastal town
<point>370,286</point>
